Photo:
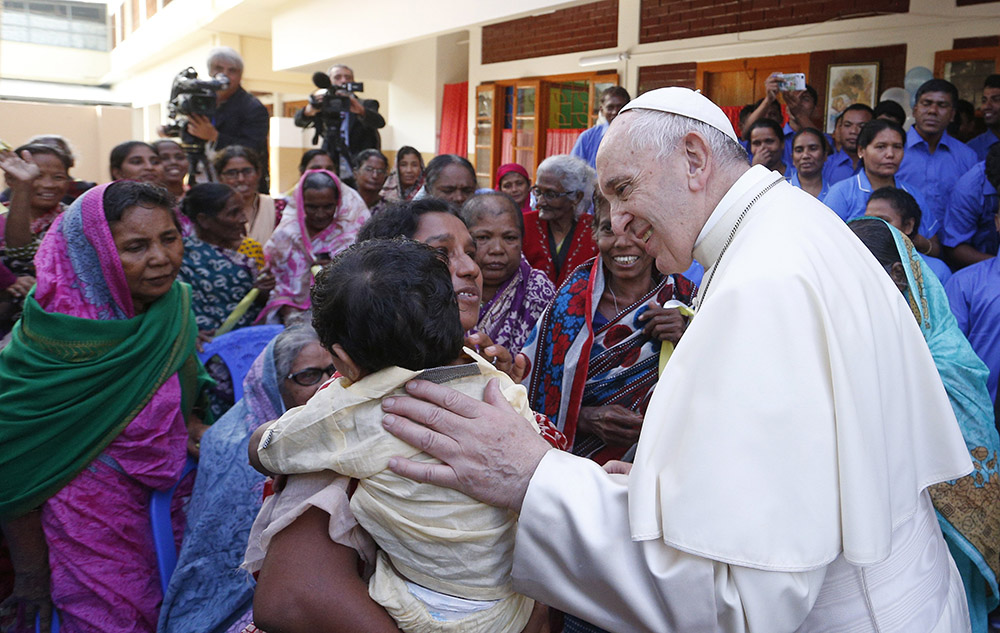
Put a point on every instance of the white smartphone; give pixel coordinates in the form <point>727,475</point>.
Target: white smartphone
<point>791,81</point>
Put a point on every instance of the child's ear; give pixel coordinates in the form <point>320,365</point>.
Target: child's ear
<point>345,364</point>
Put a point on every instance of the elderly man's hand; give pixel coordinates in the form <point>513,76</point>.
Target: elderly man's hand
<point>489,451</point>
<point>201,127</point>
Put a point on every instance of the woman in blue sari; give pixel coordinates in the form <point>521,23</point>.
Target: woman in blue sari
<point>968,508</point>
<point>208,591</point>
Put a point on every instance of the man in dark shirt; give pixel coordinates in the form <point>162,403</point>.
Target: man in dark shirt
<point>359,127</point>
<point>240,118</point>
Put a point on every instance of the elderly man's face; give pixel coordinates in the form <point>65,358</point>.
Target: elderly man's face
<point>649,198</point>
<point>232,71</point>
<point>340,75</point>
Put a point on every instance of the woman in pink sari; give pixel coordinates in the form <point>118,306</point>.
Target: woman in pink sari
<point>327,218</point>
<point>99,385</point>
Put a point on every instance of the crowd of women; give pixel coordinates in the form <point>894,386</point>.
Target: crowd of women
<point>99,331</point>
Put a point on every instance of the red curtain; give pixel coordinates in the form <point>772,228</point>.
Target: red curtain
<point>454,137</point>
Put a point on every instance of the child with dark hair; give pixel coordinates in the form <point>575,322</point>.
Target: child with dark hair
<point>445,559</point>
<point>901,210</point>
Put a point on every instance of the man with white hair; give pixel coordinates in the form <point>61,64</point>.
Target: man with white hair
<point>240,118</point>
<point>780,478</point>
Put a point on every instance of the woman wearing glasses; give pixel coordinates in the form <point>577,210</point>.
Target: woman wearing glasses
<point>557,234</point>
<point>241,169</point>
<point>208,592</point>
<point>371,168</point>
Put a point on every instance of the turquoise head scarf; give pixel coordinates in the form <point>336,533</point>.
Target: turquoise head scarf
<point>968,509</point>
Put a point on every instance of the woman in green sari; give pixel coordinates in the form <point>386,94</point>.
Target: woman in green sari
<point>968,508</point>
<point>96,411</point>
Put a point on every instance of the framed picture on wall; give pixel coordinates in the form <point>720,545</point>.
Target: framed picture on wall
<point>847,84</point>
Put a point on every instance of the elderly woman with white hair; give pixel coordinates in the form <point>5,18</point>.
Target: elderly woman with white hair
<point>557,234</point>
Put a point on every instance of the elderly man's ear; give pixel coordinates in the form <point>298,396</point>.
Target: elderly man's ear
<point>697,154</point>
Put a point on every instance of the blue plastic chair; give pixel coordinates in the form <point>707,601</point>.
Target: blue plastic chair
<point>239,349</point>
<point>163,528</point>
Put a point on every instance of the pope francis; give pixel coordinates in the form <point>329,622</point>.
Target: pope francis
<point>780,478</point>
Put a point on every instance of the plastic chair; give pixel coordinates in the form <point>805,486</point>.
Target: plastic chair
<point>163,528</point>
<point>239,349</point>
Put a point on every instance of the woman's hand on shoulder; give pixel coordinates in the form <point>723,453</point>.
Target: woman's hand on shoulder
<point>663,324</point>
<point>612,423</point>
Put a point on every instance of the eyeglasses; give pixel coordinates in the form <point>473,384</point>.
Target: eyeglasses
<point>550,195</point>
<point>311,375</point>
<point>373,170</point>
<point>246,172</point>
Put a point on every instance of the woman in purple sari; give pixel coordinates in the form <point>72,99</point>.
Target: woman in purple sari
<point>514,293</point>
<point>97,411</point>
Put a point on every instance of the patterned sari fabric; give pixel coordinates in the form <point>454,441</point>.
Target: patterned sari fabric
<point>968,509</point>
<point>219,279</point>
<point>510,315</point>
<point>574,363</point>
<point>111,428</point>
<point>292,252</point>
<point>208,591</point>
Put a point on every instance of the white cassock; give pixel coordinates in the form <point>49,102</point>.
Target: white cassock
<point>779,483</point>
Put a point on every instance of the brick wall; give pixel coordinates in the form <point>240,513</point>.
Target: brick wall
<point>581,28</point>
<point>663,20</point>
<point>652,77</point>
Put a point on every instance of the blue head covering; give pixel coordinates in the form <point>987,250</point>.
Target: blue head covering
<point>968,509</point>
<point>208,591</point>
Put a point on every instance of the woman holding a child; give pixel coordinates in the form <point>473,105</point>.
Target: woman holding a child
<point>309,536</point>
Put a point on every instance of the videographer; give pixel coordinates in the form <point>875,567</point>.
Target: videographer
<point>240,119</point>
<point>358,127</point>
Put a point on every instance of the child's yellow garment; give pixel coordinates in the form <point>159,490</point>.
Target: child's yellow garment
<point>435,537</point>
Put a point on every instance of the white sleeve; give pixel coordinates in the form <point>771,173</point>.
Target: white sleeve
<point>574,552</point>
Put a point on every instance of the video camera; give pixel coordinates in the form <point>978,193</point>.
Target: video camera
<point>334,101</point>
<point>190,95</point>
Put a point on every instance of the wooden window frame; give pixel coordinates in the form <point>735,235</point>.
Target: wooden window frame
<point>541,84</point>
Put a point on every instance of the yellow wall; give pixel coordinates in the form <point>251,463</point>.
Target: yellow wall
<point>92,130</point>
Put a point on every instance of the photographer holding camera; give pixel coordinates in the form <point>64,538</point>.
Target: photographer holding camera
<point>239,118</point>
<point>357,121</point>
